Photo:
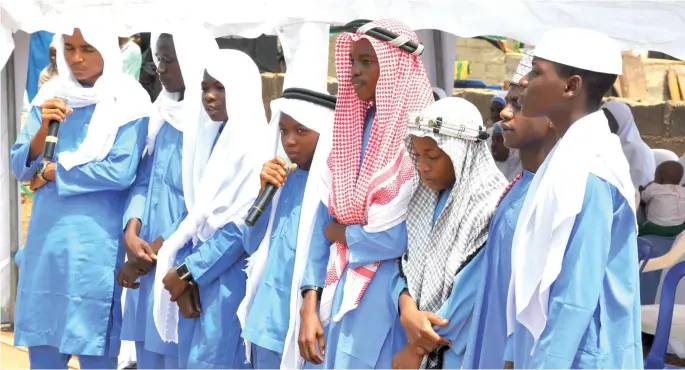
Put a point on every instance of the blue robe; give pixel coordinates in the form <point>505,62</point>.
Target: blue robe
<point>594,304</point>
<point>268,320</point>
<point>156,198</point>
<point>68,299</point>
<point>488,333</point>
<point>363,338</point>
<point>458,307</point>
<point>213,340</point>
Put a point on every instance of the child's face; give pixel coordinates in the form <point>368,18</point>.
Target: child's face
<point>499,152</point>
<point>434,165</point>
<point>214,98</point>
<point>84,60</point>
<point>543,90</point>
<point>495,110</point>
<point>365,69</point>
<point>518,130</point>
<point>299,141</point>
<point>168,69</point>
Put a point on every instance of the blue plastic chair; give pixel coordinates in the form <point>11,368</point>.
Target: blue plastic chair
<point>657,354</point>
<point>644,250</point>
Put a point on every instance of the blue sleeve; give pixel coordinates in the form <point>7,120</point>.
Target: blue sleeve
<point>574,296</point>
<point>366,247</point>
<point>319,250</point>
<point>459,305</point>
<point>255,234</point>
<point>22,168</point>
<point>398,284</point>
<point>137,195</point>
<point>509,349</point>
<point>214,256</point>
<point>116,172</point>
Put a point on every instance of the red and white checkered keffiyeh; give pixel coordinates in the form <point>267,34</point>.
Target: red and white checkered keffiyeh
<point>378,197</point>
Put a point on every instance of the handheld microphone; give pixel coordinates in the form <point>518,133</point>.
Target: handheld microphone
<point>51,138</point>
<point>263,201</point>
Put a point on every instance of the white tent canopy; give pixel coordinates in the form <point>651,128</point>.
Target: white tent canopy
<point>646,25</point>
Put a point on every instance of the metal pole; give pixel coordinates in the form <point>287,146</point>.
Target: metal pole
<point>439,65</point>
<point>13,118</point>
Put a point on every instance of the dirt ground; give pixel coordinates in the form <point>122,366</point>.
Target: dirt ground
<point>26,215</point>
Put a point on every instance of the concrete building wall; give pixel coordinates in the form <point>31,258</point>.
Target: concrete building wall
<point>661,124</point>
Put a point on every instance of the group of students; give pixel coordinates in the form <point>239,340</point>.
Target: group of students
<point>392,242</point>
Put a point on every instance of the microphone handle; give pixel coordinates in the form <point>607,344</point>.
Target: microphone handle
<point>260,204</point>
<point>51,140</point>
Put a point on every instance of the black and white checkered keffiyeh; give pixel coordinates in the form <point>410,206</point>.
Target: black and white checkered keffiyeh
<point>435,254</point>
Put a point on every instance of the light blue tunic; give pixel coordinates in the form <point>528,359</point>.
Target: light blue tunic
<point>594,305</point>
<point>156,198</point>
<point>213,340</point>
<point>458,307</point>
<point>67,296</point>
<point>268,319</point>
<point>363,338</point>
<point>488,333</point>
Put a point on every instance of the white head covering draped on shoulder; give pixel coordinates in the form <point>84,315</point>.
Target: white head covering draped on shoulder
<point>225,180</point>
<point>118,97</point>
<point>192,45</point>
<point>639,155</point>
<point>556,194</point>
<point>307,47</point>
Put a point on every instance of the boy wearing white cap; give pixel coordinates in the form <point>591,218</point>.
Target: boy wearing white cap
<point>573,299</point>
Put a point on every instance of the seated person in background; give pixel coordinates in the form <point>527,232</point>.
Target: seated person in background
<point>50,70</point>
<point>131,56</point>
<point>507,160</point>
<point>665,201</point>
<point>496,105</point>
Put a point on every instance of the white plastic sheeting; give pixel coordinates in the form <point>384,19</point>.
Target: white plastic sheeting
<point>645,25</point>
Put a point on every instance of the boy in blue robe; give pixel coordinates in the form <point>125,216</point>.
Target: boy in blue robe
<point>279,240</point>
<point>68,301</point>
<point>360,229</point>
<point>573,299</point>
<point>200,268</point>
<point>447,222</point>
<point>156,199</point>
<point>268,319</point>
<point>534,138</point>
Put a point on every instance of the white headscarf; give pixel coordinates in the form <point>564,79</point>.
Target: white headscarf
<point>193,45</point>
<point>119,98</point>
<point>307,47</point>
<point>225,180</point>
<point>555,198</point>
<point>639,155</point>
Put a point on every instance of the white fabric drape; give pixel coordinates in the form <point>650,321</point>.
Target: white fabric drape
<point>638,153</point>
<point>225,180</point>
<point>544,226</point>
<point>306,50</point>
<point>119,98</point>
<point>192,45</point>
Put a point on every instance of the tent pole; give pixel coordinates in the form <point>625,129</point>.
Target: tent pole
<point>439,65</point>
<point>13,118</point>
